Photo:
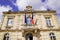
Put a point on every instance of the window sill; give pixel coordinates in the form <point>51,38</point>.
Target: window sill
<point>8,26</point>
<point>50,26</point>
<point>27,25</point>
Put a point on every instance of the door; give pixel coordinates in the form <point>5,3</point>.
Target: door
<point>29,36</point>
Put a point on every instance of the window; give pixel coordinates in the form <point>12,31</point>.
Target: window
<point>6,36</point>
<point>10,22</point>
<point>48,21</point>
<point>52,36</point>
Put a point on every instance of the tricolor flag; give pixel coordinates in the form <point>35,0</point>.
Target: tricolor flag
<point>32,21</point>
<point>29,20</point>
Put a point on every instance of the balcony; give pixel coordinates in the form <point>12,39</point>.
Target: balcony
<point>29,28</point>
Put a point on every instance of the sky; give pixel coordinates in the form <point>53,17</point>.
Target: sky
<point>19,5</point>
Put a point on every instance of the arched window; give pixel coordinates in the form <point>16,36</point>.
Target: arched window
<point>52,36</point>
<point>6,36</point>
<point>29,36</point>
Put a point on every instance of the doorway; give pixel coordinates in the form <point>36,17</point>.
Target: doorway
<point>29,36</point>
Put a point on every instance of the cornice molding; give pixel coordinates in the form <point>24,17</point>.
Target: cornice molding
<point>26,29</point>
<point>22,12</point>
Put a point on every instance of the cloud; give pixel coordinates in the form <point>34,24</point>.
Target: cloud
<point>23,3</point>
<point>10,3</point>
<point>3,9</point>
<point>38,5</point>
<point>51,3</point>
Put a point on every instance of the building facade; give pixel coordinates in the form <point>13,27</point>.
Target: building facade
<point>30,25</point>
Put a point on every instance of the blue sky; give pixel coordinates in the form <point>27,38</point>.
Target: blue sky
<point>18,5</point>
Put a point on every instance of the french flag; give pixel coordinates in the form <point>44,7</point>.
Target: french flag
<point>32,21</point>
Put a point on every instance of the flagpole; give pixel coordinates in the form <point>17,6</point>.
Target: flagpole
<point>32,15</point>
<point>36,22</point>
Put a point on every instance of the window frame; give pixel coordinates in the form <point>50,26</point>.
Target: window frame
<point>8,22</point>
<point>48,21</point>
<point>6,35</point>
<point>10,17</point>
<point>49,16</point>
<point>52,36</point>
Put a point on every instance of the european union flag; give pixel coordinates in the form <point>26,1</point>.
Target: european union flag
<point>25,19</point>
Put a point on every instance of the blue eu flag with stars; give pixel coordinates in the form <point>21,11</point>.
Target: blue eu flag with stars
<point>25,19</point>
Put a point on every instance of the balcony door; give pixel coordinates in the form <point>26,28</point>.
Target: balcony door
<point>29,36</point>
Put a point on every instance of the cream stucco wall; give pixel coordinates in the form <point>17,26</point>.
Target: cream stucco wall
<point>16,32</point>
